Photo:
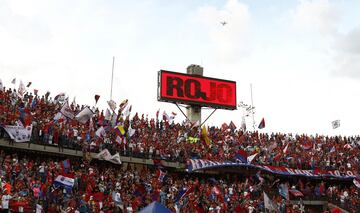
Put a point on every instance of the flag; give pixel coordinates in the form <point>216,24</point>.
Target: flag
<point>19,133</point>
<point>36,91</point>
<point>285,150</point>
<point>232,125</point>
<point>157,114</point>
<point>47,94</point>
<point>115,159</point>
<point>307,145</point>
<point>205,136</point>
<point>184,193</point>
<point>123,104</point>
<point>84,115</point>
<point>224,126</point>
<point>67,111</point>
<point>60,97</point>
<point>284,191</point>
<point>131,131</point>
<point>165,116</point>
<point>112,105</point>
<point>357,183</point>
<point>296,193</point>
<point>106,155</point>
<point>21,89</point>
<point>269,204</point>
<point>160,175</point>
<point>100,132</point>
<point>243,124</point>
<point>13,81</point>
<point>242,156</point>
<point>28,85</point>
<point>251,158</point>
<point>262,124</point>
<point>128,111</point>
<point>347,146</point>
<point>119,130</point>
<point>96,98</point>
<point>107,115</point>
<point>62,180</point>
<point>335,124</point>
<point>1,85</point>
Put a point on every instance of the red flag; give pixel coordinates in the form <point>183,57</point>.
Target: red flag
<point>97,98</point>
<point>262,124</point>
<point>157,114</point>
<point>28,85</point>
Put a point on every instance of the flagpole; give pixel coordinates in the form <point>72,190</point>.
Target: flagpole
<point>112,77</point>
<point>252,106</point>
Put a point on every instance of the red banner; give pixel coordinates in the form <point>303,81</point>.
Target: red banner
<point>197,90</point>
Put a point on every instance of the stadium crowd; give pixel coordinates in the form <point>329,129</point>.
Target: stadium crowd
<point>29,184</point>
<point>162,138</point>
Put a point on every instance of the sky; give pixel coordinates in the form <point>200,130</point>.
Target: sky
<point>302,57</point>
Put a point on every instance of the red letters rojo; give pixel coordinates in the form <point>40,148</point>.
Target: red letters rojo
<point>198,90</point>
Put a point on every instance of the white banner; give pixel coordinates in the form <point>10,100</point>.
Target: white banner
<point>19,133</point>
<point>84,115</point>
<point>66,111</point>
<point>106,155</point>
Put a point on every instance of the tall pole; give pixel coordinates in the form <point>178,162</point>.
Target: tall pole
<point>252,106</point>
<point>112,77</point>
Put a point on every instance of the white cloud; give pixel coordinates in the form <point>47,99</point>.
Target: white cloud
<point>316,15</point>
<point>230,41</point>
<point>347,51</point>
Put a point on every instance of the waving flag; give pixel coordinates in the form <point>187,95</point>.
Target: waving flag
<point>269,204</point>
<point>160,175</point>
<point>28,85</point>
<point>307,145</point>
<point>184,193</point>
<point>13,81</point>
<point>205,136</point>
<point>84,115</point>
<point>251,157</point>
<point>262,124</point>
<point>284,191</point>
<point>1,85</point>
<point>19,133</point>
<point>119,130</point>
<point>296,193</point>
<point>97,98</point>
<point>243,124</point>
<point>67,111</point>
<point>335,124</point>
<point>36,91</point>
<point>65,181</point>
<point>112,105</point>
<point>21,89</point>
<point>232,125</point>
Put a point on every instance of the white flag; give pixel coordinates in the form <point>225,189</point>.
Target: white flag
<point>19,133</point>
<point>100,132</point>
<point>21,89</point>
<point>107,115</point>
<point>84,115</point>
<point>66,111</point>
<point>269,204</point>
<point>335,124</point>
<point>131,131</point>
<point>1,85</point>
<point>115,159</point>
<point>112,105</point>
<point>103,155</point>
<point>106,155</point>
<point>251,158</point>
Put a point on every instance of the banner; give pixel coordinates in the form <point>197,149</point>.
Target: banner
<point>66,111</point>
<point>106,155</point>
<point>84,115</point>
<point>19,133</point>
<point>198,164</point>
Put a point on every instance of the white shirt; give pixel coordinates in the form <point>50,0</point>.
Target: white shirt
<point>5,201</point>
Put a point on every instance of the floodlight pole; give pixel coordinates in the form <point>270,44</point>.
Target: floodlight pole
<point>112,77</point>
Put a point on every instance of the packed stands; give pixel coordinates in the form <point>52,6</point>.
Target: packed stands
<point>30,183</point>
